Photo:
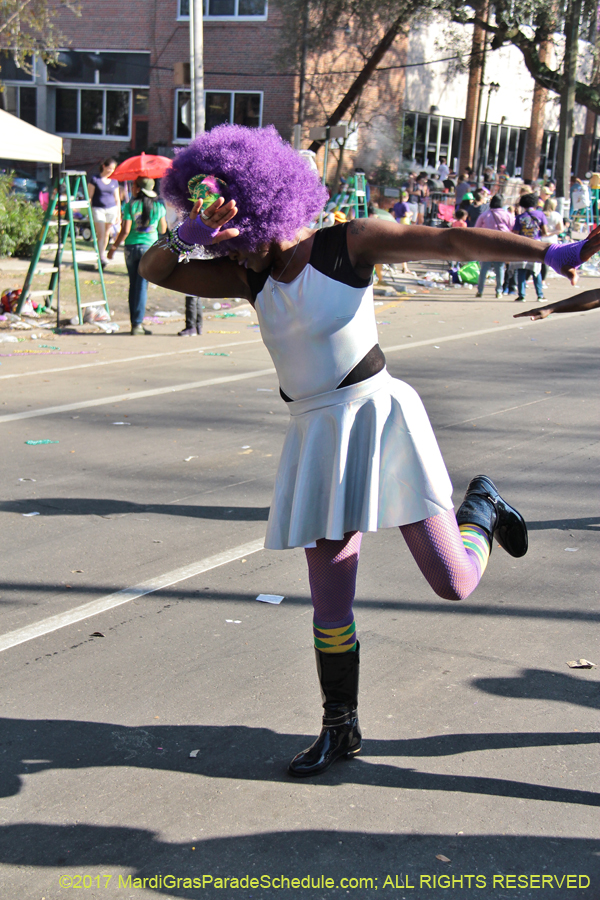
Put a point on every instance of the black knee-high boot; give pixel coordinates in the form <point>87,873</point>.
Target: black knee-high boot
<point>340,735</point>
<point>484,506</point>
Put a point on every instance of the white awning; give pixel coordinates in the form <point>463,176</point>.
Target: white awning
<point>21,141</point>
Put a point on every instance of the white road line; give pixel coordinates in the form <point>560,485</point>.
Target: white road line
<point>110,601</point>
<point>499,412</point>
<point>133,395</point>
<point>469,334</point>
<point>113,362</point>
<point>119,398</point>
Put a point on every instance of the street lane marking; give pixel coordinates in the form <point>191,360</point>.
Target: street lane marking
<point>498,412</point>
<point>469,334</point>
<point>135,395</point>
<point>112,362</point>
<point>119,398</point>
<point>110,601</point>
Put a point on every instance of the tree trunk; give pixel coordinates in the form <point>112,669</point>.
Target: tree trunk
<point>567,100</point>
<point>359,82</point>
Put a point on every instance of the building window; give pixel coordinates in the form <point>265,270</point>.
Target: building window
<point>503,145</point>
<point>426,138</point>
<point>93,113</point>
<point>234,107</point>
<point>18,98</point>
<point>226,9</point>
<point>105,67</point>
<point>21,101</point>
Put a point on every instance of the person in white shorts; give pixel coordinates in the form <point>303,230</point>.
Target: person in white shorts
<point>106,205</point>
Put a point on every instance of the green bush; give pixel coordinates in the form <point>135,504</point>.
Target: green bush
<point>20,221</point>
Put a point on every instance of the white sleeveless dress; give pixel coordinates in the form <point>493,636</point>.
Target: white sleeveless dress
<point>356,458</point>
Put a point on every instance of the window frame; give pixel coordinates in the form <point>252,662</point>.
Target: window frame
<point>17,85</point>
<point>232,93</point>
<point>97,83</point>
<point>437,147</point>
<point>79,135</point>
<point>234,18</point>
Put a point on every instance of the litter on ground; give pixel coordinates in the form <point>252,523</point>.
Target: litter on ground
<point>34,443</point>
<point>581,664</point>
<point>270,598</point>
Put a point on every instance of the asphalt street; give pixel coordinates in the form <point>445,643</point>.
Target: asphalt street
<point>480,763</point>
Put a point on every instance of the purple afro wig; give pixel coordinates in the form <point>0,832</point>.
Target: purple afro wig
<point>275,190</point>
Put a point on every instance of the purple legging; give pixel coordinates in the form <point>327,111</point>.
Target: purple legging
<point>435,543</point>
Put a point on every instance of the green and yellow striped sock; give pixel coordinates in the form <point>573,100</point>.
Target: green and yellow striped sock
<point>477,542</point>
<point>335,637</point>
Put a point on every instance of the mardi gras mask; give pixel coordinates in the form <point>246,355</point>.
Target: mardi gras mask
<point>206,188</point>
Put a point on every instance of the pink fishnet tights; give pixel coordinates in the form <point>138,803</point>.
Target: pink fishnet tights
<point>332,567</point>
<point>437,548</point>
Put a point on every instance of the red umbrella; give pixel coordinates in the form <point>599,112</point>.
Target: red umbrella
<point>144,165</point>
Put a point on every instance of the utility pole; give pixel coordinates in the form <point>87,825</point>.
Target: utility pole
<point>303,57</point>
<point>197,66</point>
<point>567,104</point>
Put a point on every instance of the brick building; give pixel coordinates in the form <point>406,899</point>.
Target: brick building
<point>121,82</point>
<point>121,87</point>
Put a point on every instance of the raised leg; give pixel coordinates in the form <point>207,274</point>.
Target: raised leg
<point>452,563</point>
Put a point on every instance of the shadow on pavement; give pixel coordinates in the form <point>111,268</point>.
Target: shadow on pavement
<point>260,754</point>
<point>589,523</point>
<point>403,858</point>
<point>429,607</point>
<point>542,684</point>
<point>110,508</point>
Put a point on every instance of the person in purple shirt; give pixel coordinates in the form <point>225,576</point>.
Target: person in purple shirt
<point>496,219</point>
<point>531,223</point>
<point>106,205</point>
<point>402,208</point>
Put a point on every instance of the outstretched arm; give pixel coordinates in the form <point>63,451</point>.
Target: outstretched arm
<point>579,303</point>
<point>373,241</point>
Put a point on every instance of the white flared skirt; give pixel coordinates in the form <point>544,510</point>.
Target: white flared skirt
<point>358,458</point>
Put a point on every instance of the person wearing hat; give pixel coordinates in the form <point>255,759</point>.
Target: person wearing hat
<point>144,218</point>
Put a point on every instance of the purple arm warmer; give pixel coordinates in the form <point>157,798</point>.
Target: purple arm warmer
<point>195,231</point>
<point>559,255</point>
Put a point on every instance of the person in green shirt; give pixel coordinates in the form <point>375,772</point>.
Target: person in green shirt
<point>143,220</point>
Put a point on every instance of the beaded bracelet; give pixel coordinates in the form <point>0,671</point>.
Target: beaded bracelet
<point>176,245</point>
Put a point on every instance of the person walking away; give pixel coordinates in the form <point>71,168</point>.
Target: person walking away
<point>106,205</point>
<point>530,223</point>
<point>144,218</point>
<point>443,169</point>
<point>497,219</point>
<point>555,227</point>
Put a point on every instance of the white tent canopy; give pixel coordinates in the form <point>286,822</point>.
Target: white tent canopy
<point>21,141</point>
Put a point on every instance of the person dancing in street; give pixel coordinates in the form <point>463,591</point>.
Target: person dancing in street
<point>360,453</point>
